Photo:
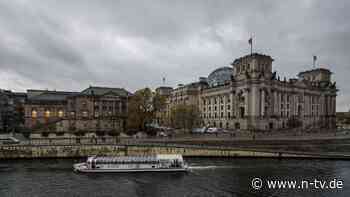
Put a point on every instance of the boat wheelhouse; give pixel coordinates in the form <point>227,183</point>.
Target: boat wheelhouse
<point>156,163</point>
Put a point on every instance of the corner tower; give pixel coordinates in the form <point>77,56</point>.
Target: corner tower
<point>253,66</point>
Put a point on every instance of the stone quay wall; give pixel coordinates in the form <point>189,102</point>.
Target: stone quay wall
<point>71,151</point>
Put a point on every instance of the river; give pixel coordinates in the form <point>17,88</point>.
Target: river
<point>208,177</point>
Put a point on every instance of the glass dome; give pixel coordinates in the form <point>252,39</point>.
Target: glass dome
<point>220,76</point>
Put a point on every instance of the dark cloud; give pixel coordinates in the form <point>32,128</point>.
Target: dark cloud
<point>72,44</point>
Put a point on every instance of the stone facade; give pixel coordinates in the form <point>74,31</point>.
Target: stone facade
<point>256,99</point>
<point>186,95</point>
<point>94,110</point>
<point>11,110</point>
<point>45,107</point>
<point>162,116</point>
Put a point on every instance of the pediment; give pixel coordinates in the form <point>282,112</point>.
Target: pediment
<point>111,94</point>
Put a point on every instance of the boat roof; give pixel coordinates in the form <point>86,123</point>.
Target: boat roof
<point>170,156</point>
<point>148,158</point>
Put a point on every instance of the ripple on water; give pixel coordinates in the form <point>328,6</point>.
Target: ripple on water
<point>208,177</point>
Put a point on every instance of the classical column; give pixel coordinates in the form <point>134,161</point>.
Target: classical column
<point>334,105</point>
<point>120,107</point>
<point>236,97</point>
<point>322,110</point>
<point>273,103</point>
<point>279,101</point>
<point>231,103</point>
<point>262,109</point>
<point>246,102</point>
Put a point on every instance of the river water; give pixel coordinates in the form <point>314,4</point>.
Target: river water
<point>208,177</point>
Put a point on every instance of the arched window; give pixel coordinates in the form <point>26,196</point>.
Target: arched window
<point>242,112</point>
<point>34,113</point>
<point>237,125</point>
<point>60,113</point>
<point>47,113</point>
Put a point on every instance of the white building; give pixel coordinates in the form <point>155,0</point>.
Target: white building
<point>250,96</point>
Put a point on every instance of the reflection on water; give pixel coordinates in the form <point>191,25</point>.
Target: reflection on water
<point>207,177</point>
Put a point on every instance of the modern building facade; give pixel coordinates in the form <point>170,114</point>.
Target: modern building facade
<point>93,110</point>
<point>250,96</point>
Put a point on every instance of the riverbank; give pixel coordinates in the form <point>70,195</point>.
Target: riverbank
<point>77,151</point>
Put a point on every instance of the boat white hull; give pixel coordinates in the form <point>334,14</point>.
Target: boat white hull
<point>81,168</point>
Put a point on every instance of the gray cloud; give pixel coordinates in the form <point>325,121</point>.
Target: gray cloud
<point>69,45</point>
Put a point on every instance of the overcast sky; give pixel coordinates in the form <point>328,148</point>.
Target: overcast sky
<point>69,45</point>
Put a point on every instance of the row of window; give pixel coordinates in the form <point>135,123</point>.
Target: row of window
<point>220,125</point>
<point>246,67</point>
<point>47,113</point>
<point>216,100</point>
<point>100,104</point>
<point>228,107</point>
<point>60,113</point>
<point>215,115</point>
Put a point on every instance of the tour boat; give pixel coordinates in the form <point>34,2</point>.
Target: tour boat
<point>154,163</point>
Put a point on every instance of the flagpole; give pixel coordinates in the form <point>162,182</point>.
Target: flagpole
<point>251,48</point>
<point>314,61</point>
<point>250,41</point>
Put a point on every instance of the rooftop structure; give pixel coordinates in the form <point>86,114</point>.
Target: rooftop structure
<point>220,76</point>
